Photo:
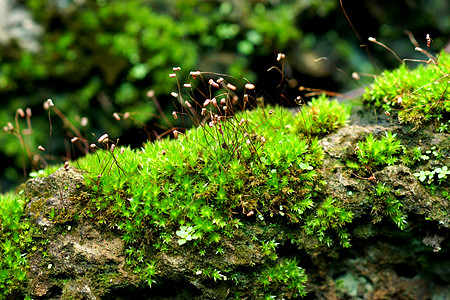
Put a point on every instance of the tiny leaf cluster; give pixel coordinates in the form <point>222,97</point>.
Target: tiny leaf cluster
<point>420,95</point>
<point>285,278</point>
<point>378,153</point>
<point>385,203</point>
<point>321,116</point>
<point>13,241</point>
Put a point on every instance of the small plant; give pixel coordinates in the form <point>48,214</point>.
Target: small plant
<point>430,176</point>
<point>386,203</point>
<point>186,234</point>
<point>444,127</point>
<point>412,156</point>
<point>268,249</point>
<point>329,215</point>
<point>378,153</point>
<point>13,240</point>
<point>284,279</point>
<point>432,156</point>
<point>150,272</point>
<point>212,273</point>
<point>321,116</point>
<point>419,96</point>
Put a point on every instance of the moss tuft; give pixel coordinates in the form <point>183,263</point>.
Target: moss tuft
<point>321,116</point>
<point>419,96</point>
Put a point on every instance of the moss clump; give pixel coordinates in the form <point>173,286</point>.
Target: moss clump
<point>378,153</point>
<point>321,116</point>
<point>385,202</point>
<point>285,279</point>
<point>14,240</point>
<point>372,154</point>
<point>207,182</point>
<point>419,96</point>
<point>201,189</point>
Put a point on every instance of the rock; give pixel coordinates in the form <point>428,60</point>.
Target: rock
<point>79,289</point>
<point>53,195</point>
<point>72,249</point>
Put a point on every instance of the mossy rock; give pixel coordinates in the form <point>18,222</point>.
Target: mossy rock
<point>247,206</point>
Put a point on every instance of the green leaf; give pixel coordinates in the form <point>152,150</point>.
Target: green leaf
<point>305,166</point>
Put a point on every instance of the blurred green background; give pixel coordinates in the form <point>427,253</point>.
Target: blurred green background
<point>97,57</point>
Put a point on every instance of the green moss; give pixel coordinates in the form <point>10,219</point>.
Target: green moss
<point>321,116</point>
<point>244,179</point>
<point>283,279</point>
<point>14,240</point>
<point>419,96</point>
<point>199,190</point>
<point>329,215</point>
<point>201,180</point>
<point>385,203</point>
<point>375,153</point>
<point>411,156</point>
<point>371,155</point>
